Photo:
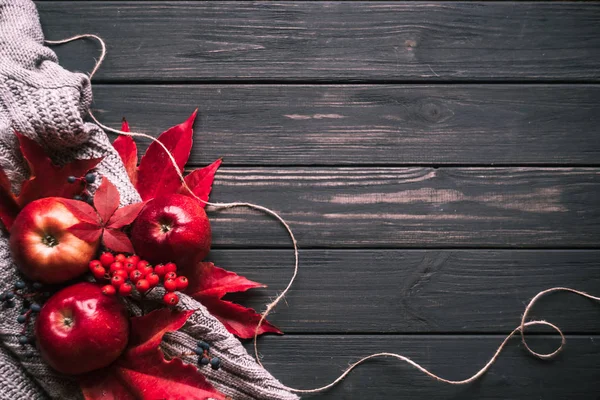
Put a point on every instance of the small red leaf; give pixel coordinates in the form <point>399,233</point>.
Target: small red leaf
<point>8,204</point>
<point>125,215</point>
<point>201,181</point>
<point>87,232</point>
<point>47,179</point>
<point>210,280</point>
<point>240,321</point>
<point>82,211</point>
<point>127,150</point>
<point>147,331</point>
<point>156,174</point>
<point>208,284</point>
<point>117,241</point>
<point>106,200</point>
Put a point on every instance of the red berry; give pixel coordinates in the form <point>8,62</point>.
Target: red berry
<point>153,279</point>
<point>125,289</point>
<point>115,266</point>
<point>142,285</point>
<point>130,267</point>
<point>135,276</point>
<point>120,258</point>
<point>147,270</point>
<point>171,267</point>
<point>98,271</point>
<point>142,264</point>
<point>160,270</point>
<point>106,259</point>
<point>122,273</point>
<point>170,285</point>
<point>94,263</point>
<point>182,283</point>
<point>170,275</point>
<point>109,290</point>
<point>117,281</point>
<point>171,299</point>
<point>133,259</point>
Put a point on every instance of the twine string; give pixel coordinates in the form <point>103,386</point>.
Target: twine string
<point>269,307</point>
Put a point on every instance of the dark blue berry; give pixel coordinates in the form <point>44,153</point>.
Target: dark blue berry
<point>199,351</point>
<point>203,345</point>
<point>23,339</point>
<point>90,177</point>
<point>37,286</point>
<point>10,303</point>
<point>71,179</point>
<point>35,307</point>
<point>77,197</point>
<point>21,319</point>
<point>215,363</point>
<point>203,360</point>
<point>20,285</point>
<point>9,295</point>
<point>24,310</point>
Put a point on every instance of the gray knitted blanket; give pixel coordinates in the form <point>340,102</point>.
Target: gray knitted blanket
<point>43,101</point>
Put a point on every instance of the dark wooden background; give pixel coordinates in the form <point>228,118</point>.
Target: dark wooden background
<point>438,161</point>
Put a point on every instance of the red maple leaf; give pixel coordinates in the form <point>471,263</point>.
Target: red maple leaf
<point>142,372</point>
<point>106,219</point>
<point>156,175</point>
<point>46,179</point>
<point>209,283</point>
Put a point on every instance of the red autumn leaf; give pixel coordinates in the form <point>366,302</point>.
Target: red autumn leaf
<point>142,371</point>
<point>47,179</point>
<point>156,174</point>
<point>117,240</point>
<point>106,200</point>
<point>125,215</point>
<point>201,181</point>
<point>93,225</point>
<point>127,150</point>
<point>208,284</point>
<point>8,204</point>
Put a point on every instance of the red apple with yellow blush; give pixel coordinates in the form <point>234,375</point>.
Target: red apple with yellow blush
<point>80,329</point>
<point>42,246</point>
<point>172,228</point>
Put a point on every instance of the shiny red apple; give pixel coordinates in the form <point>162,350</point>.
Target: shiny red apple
<point>172,228</point>
<point>79,329</point>
<point>42,246</point>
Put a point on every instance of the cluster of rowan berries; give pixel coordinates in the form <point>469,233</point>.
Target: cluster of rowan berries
<point>125,273</point>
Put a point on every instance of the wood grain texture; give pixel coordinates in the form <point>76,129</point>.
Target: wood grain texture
<point>311,361</point>
<point>419,291</point>
<point>369,124</point>
<point>341,41</point>
<point>411,207</point>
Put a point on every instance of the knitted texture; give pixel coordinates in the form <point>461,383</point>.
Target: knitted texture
<point>43,101</point>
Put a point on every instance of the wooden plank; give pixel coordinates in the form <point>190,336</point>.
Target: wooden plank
<point>313,360</point>
<point>411,207</point>
<point>419,291</point>
<point>341,41</point>
<point>369,124</point>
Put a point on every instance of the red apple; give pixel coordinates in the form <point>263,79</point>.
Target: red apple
<point>172,228</point>
<point>79,329</point>
<point>42,246</point>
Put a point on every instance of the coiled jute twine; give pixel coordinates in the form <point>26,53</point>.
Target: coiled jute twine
<point>269,307</point>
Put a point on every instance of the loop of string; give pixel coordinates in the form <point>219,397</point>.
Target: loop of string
<point>269,307</point>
